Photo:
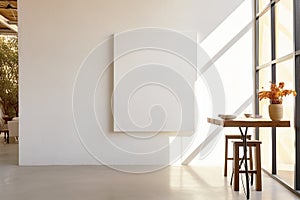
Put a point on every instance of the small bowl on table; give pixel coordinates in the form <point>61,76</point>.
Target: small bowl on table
<point>227,117</point>
<point>247,115</point>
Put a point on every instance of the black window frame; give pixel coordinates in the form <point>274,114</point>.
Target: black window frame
<point>295,55</point>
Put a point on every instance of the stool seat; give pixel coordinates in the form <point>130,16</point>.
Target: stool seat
<point>249,142</point>
<point>233,137</point>
<point>236,163</point>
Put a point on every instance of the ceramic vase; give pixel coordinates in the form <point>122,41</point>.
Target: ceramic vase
<point>275,112</point>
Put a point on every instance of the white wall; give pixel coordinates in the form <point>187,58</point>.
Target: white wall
<point>55,38</point>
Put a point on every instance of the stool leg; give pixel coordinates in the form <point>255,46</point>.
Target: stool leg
<point>251,162</point>
<point>258,168</point>
<point>236,167</point>
<point>226,156</point>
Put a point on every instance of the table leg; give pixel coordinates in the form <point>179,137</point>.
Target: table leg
<point>244,134</point>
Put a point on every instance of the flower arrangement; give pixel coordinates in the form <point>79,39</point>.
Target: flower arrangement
<point>276,94</point>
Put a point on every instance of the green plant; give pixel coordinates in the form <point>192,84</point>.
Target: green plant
<point>9,75</point>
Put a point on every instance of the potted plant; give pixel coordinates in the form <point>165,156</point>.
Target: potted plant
<point>275,94</point>
<point>9,77</point>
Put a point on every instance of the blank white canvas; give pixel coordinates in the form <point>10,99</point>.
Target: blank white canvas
<point>154,75</point>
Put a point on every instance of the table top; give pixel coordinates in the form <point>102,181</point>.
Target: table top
<point>248,122</point>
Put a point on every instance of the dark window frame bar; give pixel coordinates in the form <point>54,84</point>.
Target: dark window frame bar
<point>266,8</point>
<point>297,88</point>
<point>278,60</point>
<point>256,63</point>
<point>273,79</point>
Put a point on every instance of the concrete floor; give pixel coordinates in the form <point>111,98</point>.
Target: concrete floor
<point>100,182</point>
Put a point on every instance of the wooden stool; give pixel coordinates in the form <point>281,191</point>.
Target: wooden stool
<point>236,163</point>
<point>234,137</point>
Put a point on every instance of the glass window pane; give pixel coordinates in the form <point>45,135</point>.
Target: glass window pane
<point>286,136</point>
<point>284,27</point>
<point>264,39</point>
<point>262,4</point>
<point>265,78</point>
<point>265,133</point>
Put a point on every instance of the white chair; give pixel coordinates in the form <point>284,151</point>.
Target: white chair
<point>13,129</point>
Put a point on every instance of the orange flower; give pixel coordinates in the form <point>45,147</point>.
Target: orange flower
<point>276,93</point>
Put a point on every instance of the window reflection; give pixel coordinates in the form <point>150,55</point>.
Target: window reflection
<point>284,27</point>
<point>286,136</point>
<point>262,4</point>
<point>265,133</point>
<point>264,39</point>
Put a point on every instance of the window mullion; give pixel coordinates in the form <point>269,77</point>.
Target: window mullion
<point>297,87</point>
<point>273,56</point>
